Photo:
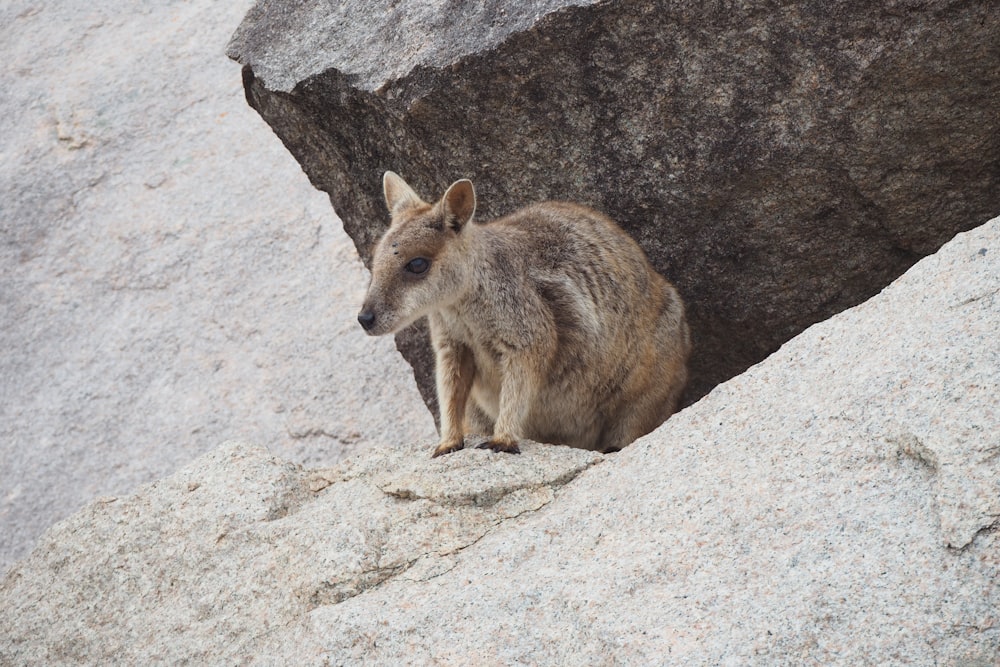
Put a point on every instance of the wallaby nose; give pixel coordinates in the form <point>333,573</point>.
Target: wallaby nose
<point>366,319</point>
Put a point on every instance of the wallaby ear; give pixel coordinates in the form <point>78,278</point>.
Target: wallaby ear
<point>459,203</point>
<point>398,195</point>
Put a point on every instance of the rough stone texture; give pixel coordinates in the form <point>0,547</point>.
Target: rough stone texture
<point>779,161</point>
<point>240,545</point>
<point>168,277</point>
<point>837,504</point>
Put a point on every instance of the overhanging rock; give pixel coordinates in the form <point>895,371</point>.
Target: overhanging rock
<point>777,162</point>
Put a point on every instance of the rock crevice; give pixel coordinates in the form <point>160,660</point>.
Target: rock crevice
<point>779,163</point>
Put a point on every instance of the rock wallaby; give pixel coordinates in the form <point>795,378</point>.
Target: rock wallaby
<point>548,324</point>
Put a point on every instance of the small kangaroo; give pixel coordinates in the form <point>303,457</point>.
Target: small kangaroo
<point>548,323</point>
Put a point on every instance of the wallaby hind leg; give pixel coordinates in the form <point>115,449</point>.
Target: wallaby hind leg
<point>632,426</point>
<point>650,408</point>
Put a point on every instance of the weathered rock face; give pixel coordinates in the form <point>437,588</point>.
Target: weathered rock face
<point>779,162</point>
<point>240,535</point>
<point>836,504</point>
<point>167,274</point>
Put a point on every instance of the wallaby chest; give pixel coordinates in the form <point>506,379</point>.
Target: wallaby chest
<point>452,325</point>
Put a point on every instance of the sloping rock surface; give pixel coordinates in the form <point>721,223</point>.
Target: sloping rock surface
<point>836,504</point>
<point>778,161</point>
<point>240,546</point>
<point>168,278</point>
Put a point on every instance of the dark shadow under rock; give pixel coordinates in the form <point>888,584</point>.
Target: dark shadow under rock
<point>779,163</point>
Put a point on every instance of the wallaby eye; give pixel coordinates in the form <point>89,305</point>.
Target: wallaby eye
<point>417,265</point>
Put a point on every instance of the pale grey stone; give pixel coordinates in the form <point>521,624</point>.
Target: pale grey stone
<point>238,545</point>
<point>168,278</point>
<point>837,504</point>
<point>380,40</point>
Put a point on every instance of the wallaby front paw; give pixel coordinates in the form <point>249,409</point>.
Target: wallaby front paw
<point>447,448</point>
<point>509,446</point>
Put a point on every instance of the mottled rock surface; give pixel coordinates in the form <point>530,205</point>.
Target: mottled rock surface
<point>240,546</point>
<point>168,277</point>
<point>778,161</point>
<point>837,504</point>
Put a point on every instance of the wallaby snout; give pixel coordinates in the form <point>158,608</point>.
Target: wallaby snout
<point>366,318</point>
<point>375,316</point>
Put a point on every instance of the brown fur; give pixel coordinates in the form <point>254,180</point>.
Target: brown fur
<point>548,324</point>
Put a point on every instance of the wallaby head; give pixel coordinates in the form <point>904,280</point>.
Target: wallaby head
<point>417,266</point>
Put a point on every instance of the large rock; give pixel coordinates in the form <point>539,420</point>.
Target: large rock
<point>167,273</point>
<point>778,162</point>
<point>240,544</point>
<point>836,504</point>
